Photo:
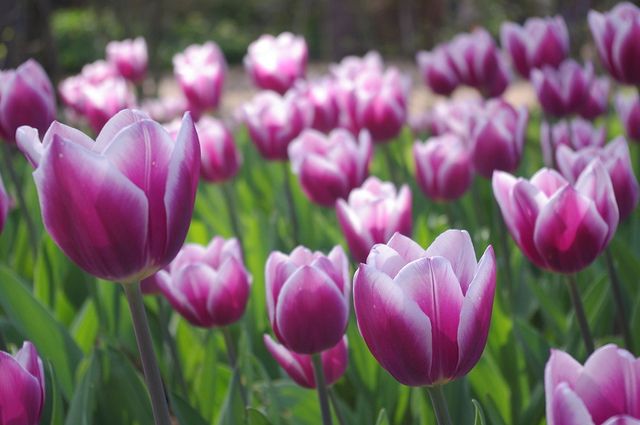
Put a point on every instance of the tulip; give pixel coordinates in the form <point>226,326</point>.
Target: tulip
<point>274,121</point>
<point>443,167</point>
<point>321,96</point>
<point>616,159</point>
<point>71,91</point>
<point>99,71</point>
<point>200,71</point>
<point>577,134</point>
<point>437,70</point>
<point>562,91</point>
<point>596,101</point>
<point>209,286</point>
<point>539,42</point>
<point>5,204</point>
<point>498,137</point>
<point>425,314</point>
<point>456,116</point>
<point>299,367</point>
<point>22,389</point>
<point>220,159</point>
<point>617,37</point>
<point>628,108</point>
<point>165,108</point>
<point>372,214</point>
<point>559,226</point>
<point>133,162</point>
<point>329,167</point>
<point>352,66</point>
<point>603,391</point>
<point>308,298</point>
<point>275,63</point>
<point>103,100</point>
<point>129,57</point>
<point>26,98</point>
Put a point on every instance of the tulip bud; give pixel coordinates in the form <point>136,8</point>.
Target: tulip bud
<point>322,99</point>
<point>425,315</point>
<point>308,298</point>
<point>617,37</point>
<point>628,108</point>
<point>559,226</point>
<point>596,101</point>
<point>577,134</point>
<point>22,393</point>
<point>209,286</point>
<point>299,367</point>
<point>373,213</point>
<point>443,167</point>
<point>617,161</point>
<point>603,391</point>
<point>437,70</point>
<point>329,167</point>
<point>133,163</point>
<point>539,42</point>
<point>220,159</point>
<point>275,63</point>
<point>26,98</point>
<point>129,57</point>
<point>562,91</point>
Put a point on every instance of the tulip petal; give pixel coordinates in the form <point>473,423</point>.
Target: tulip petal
<point>115,125</point>
<point>567,408</point>
<point>622,420</point>
<point>595,183</point>
<point>456,246</point>
<point>297,366</point>
<point>21,395</point>
<point>406,247</point>
<point>358,238</point>
<point>229,293</point>
<point>335,360</point>
<point>560,367</point>
<point>322,181</point>
<point>29,144</point>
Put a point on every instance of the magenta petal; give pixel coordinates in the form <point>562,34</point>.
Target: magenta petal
<point>567,408</point>
<point>190,290</point>
<point>227,305</point>
<point>595,183</point>
<point>322,181</point>
<point>527,201</point>
<point>561,367</point>
<point>456,246</point>
<point>117,123</point>
<point>297,366</point>
<point>21,387</point>
<point>335,360</point>
<point>622,420</point>
<point>277,271</point>
<point>406,247</point>
<point>357,237</point>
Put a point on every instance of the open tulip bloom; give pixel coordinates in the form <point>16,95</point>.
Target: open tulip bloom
<point>576,134</point>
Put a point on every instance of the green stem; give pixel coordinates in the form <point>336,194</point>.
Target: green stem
<point>164,316</point>
<point>580,315</point>
<point>102,315</point>
<point>439,403</point>
<point>227,192</point>
<point>147,356</point>
<point>616,290</point>
<point>336,407</point>
<point>318,373</point>
<point>290,203</point>
<point>232,355</point>
<point>506,256</point>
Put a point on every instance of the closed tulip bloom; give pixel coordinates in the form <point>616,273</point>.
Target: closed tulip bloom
<point>275,63</point>
<point>299,367</point>
<point>351,67</point>
<point>200,71</point>
<point>425,314</point>
<point>616,159</point>
<point>220,159</point>
<point>322,99</point>
<point>562,91</point>
<point>274,121</point>
<point>498,137</point>
<point>330,166</point>
<point>617,37</point>
<point>437,70</point>
<point>539,42</point>
<point>596,101</point>
<point>578,134</point>
<point>603,391</point>
<point>129,57</point>
<point>308,298</point>
<point>443,167</point>
<point>559,226</point>
<point>372,214</point>
<point>209,286</point>
<point>455,116</point>
<point>628,108</point>
<point>130,215</point>
<point>103,100</point>
<point>26,98</point>
<point>22,387</point>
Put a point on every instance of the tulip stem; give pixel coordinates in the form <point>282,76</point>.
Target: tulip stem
<point>616,290</point>
<point>580,315</point>
<point>164,316</point>
<point>13,175</point>
<point>318,373</point>
<point>506,257</point>
<point>232,355</point>
<point>229,197</point>
<point>336,408</point>
<point>439,403</point>
<point>290,203</point>
<point>147,355</point>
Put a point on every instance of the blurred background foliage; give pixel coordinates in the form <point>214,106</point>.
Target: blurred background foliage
<point>66,34</point>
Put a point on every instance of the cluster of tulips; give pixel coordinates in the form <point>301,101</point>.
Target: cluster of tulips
<point>120,205</point>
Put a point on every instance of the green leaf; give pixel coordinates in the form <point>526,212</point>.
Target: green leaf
<point>256,417</point>
<point>84,398</point>
<point>479,420</point>
<point>383,419</point>
<point>185,414</point>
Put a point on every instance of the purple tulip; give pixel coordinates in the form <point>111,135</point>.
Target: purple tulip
<point>101,101</point>
<point>603,391</point>
<point>617,161</point>
<point>498,137</point>
<point>26,98</point>
<point>562,91</point>
<point>275,63</point>
<point>99,71</point>
<point>351,67</point>
<point>539,42</point>
<point>455,116</point>
<point>437,70</point>
<point>443,167</point>
<point>559,226</point>
<point>425,314</point>
<point>119,207</point>
<point>200,71</point>
<point>274,121</point>
<point>373,213</point>
<point>329,167</point>
<point>300,367</point>
<point>308,298</point>
<point>22,387</point>
<point>628,108</point>
<point>596,101</point>
<point>617,37</point>
<point>578,134</point>
<point>220,159</point>
<point>209,286</point>
<point>129,57</point>
<point>322,99</point>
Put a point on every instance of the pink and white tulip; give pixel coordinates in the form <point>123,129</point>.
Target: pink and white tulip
<point>322,99</point>
<point>437,70</point>
<point>577,134</point>
<point>596,101</point>
<point>129,57</point>
<point>220,158</point>
<point>564,90</point>
<point>22,389</point>
<point>628,108</point>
